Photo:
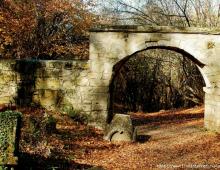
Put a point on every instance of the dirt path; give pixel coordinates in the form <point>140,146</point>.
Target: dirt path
<point>180,145</point>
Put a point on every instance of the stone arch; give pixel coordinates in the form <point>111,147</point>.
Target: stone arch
<point>117,66</point>
<point>110,45</point>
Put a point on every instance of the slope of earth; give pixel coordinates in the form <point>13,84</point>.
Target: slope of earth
<point>167,140</point>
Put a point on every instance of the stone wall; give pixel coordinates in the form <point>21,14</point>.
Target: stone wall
<point>53,85</point>
<point>85,85</point>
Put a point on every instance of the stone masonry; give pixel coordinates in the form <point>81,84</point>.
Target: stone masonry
<point>85,85</point>
<point>53,84</point>
<point>112,45</point>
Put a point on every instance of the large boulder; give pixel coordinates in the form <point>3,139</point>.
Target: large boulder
<point>120,129</point>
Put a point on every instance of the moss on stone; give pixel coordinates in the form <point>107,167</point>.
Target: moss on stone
<point>8,137</point>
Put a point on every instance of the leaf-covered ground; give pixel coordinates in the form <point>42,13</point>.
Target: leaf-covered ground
<point>167,139</point>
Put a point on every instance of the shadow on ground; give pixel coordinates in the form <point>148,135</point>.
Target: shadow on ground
<point>153,121</point>
<point>37,162</point>
<point>164,118</point>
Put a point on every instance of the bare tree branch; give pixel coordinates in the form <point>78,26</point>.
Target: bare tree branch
<point>140,12</point>
<point>183,10</point>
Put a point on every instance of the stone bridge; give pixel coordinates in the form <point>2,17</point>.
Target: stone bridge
<point>115,45</point>
<point>85,85</point>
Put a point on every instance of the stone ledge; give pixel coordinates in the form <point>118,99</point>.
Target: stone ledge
<point>155,29</point>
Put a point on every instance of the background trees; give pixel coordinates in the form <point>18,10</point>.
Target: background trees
<point>156,79</point>
<point>165,12</point>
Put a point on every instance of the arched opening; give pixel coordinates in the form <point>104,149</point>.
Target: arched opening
<point>154,79</point>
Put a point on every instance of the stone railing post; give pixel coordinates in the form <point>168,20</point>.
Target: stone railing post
<point>9,138</point>
<point>212,108</point>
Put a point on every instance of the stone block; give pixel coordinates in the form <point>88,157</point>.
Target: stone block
<point>97,66</point>
<point>108,67</point>
<point>212,116</point>
<point>94,75</point>
<point>212,97</point>
<point>214,77</point>
<point>88,101</point>
<point>93,55</point>
<point>84,73</point>
<point>8,91</point>
<point>68,84</point>
<point>55,64</point>
<point>100,98</point>
<point>107,76</point>
<point>48,98</point>
<point>85,91</point>
<point>83,81</point>
<point>48,83</point>
<point>99,82</point>
<point>48,73</point>
<point>86,96</point>
<point>120,129</point>
<point>212,103</point>
<point>5,99</point>
<point>72,100</point>
<point>212,126</point>
<point>98,119</point>
<point>101,89</point>
<point>7,65</point>
<point>66,73</point>
<point>99,107</point>
<point>114,56</point>
<point>86,107</point>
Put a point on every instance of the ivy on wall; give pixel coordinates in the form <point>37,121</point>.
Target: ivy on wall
<point>9,126</point>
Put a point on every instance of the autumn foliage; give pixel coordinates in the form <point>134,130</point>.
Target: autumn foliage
<point>45,28</point>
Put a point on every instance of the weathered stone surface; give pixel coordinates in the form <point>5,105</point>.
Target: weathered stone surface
<point>84,81</point>
<point>99,107</point>
<point>200,45</point>
<point>102,89</point>
<point>6,99</point>
<point>49,83</point>
<point>120,129</point>
<point>9,124</point>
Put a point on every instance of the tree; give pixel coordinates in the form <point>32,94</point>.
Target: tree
<point>45,28</point>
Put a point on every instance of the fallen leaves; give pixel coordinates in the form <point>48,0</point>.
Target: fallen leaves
<point>171,143</point>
